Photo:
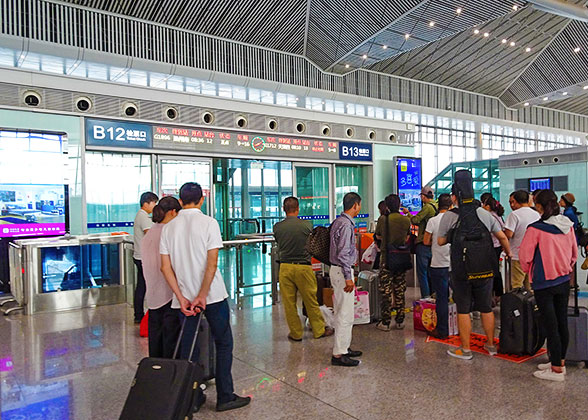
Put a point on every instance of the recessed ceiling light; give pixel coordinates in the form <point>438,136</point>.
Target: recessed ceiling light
<point>364,56</point>
<point>384,47</point>
<point>486,34</point>
<point>512,44</point>
<point>565,93</point>
<point>528,49</point>
<point>458,11</point>
<point>577,49</point>
<point>346,66</point>
<point>406,36</point>
<point>476,31</point>
<point>526,103</point>
<point>504,41</point>
<point>546,98</point>
<point>515,8</point>
<point>431,23</point>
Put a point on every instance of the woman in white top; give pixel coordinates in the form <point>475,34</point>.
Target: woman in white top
<point>164,323</point>
<point>490,204</point>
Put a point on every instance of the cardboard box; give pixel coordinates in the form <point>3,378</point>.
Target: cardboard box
<point>328,296</point>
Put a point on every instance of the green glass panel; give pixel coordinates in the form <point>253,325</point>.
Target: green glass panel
<point>175,173</point>
<point>312,186</point>
<point>352,179</point>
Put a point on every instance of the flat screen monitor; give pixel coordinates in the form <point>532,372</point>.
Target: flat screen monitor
<point>33,210</point>
<point>408,183</point>
<point>540,184</point>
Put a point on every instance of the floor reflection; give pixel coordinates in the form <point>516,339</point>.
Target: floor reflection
<point>45,401</point>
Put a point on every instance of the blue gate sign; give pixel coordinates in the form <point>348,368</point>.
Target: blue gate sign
<point>118,134</point>
<point>355,151</point>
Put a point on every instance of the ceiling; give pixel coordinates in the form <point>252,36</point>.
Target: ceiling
<point>455,43</point>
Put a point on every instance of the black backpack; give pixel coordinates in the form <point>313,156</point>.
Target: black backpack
<point>472,249</point>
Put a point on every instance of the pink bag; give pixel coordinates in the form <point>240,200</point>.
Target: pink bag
<point>361,308</point>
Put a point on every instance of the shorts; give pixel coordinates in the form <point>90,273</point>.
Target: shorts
<point>473,295</point>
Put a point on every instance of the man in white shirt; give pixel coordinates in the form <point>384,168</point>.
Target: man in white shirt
<point>140,227</point>
<point>440,268</point>
<point>189,255</point>
<point>514,229</point>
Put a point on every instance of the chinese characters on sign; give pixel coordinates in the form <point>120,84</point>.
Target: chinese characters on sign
<point>118,134</point>
<point>355,151</point>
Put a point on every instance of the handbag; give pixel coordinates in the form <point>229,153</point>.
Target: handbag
<point>398,257</point>
<point>361,308</point>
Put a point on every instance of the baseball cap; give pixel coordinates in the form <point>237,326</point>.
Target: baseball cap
<point>427,192</point>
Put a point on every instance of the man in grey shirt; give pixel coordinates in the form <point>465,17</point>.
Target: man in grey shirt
<point>141,225</point>
<point>467,291</point>
<point>343,255</point>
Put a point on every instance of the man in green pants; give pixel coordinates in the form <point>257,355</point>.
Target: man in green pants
<point>296,275</point>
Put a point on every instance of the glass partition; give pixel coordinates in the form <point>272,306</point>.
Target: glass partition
<point>353,179</point>
<point>173,173</point>
<point>114,184</point>
<point>312,190</point>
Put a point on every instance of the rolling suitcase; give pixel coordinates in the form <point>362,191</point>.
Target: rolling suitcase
<point>520,333</point>
<point>165,389</point>
<point>206,351</point>
<point>578,329</point>
<point>370,282</point>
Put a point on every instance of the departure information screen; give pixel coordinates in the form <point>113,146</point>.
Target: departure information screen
<point>200,140</point>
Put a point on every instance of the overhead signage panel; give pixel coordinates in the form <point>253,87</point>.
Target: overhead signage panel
<point>355,151</point>
<point>222,142</point>
<point>118,134</point>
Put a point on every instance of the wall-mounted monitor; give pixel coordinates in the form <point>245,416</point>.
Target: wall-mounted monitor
<point>540,184</point>
<point>408,183</point>
<point>33,210</point>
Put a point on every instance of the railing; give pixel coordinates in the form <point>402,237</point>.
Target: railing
<point>485,173</point>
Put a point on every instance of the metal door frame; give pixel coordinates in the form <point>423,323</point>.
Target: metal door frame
<point>331,186</point>
<point>210,208</point>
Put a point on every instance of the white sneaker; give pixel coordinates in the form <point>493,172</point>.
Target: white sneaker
<point>549,375</point>
<point>547,366</point>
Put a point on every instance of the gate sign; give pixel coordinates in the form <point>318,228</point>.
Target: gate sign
<point>355,151</point>
<point>118,134</point>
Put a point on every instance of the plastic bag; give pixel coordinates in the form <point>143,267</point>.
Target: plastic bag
<point>369,256</point>
<point>328,316</point>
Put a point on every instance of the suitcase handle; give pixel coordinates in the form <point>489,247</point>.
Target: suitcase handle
<point>576,291</point>
<point>195,335</point>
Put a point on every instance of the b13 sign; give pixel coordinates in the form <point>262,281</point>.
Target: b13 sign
<point>355,151</point>
<point>118,134</point>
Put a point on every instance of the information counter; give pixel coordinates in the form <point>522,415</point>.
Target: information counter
<point>55,274</point>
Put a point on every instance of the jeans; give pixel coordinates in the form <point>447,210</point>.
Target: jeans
<point>440,284</point>
<point>344,311</point>
<point>553,311</point>
<point>218,316</point>
<point>164,328</point>
<point>423,263</point>
<point>140,289</point>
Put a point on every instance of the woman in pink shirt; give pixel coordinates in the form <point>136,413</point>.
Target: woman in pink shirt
<point>548,253</point>
<point>164,324</point>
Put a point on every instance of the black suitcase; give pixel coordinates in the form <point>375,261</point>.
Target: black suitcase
<point>206,351</point>
<point>520,333</point>
<point>165,389</point>
<point>578,329</point>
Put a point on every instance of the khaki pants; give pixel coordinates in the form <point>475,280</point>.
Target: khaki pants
<point>295,279</point>
<point>518,277</point>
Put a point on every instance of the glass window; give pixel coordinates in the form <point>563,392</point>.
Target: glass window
<point>470,154</point>
<point>225,91</point>
<point>175,83</point>
<point>267,96</point>
<point>429,157</point>
<point>208,88</point>
<point>239,93</point>
<point>281,99</point>
<point>360,110</point>
<point>108,199</point>
<point>339,107</point>
<point>254,95</point>
<point>193,86</point>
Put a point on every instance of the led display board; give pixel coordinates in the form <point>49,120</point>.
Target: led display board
<point>540,184</point>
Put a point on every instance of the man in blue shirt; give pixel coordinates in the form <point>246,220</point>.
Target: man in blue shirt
<point>343,255</point>
<point>567,202</point>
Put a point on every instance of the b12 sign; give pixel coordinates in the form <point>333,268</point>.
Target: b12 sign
<point>118,134</point>
<point>355,151</point>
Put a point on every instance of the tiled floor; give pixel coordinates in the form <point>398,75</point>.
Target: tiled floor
<point>79,365</point>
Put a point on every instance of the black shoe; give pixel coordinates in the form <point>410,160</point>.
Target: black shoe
<point>344,360</point>
<point>199,405</point>
<point>436,334</point>
<point>353,353</point>
<point>238,402</point>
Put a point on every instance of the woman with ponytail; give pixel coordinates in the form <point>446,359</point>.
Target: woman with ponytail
<point>490,204</point>
<point>163,324</point>
<point>548,253</point>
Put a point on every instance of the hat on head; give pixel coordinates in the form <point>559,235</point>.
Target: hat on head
<point>427,192</point>
<point>569,198</point>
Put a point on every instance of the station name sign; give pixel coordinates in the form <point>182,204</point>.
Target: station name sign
<point>123,134</point>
